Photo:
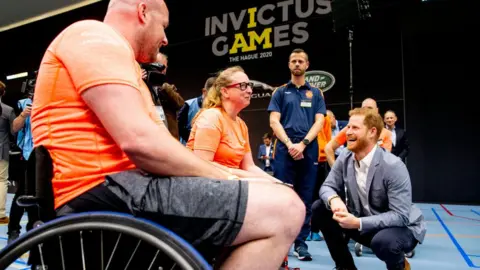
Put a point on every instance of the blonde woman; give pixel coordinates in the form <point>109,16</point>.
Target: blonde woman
<point>218,134</point>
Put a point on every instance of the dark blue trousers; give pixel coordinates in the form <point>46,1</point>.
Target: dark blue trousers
<point>302,174</point>
<point>388,244</point>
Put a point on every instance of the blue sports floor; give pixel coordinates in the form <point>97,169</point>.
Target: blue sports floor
<point>452,242</point>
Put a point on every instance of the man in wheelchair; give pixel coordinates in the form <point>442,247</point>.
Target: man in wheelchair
<point>111,152</point>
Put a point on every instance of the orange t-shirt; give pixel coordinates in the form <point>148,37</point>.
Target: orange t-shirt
<point>86,54</point>
<point>385,139</point>
<point>324,136</point>
<point>215,131</point>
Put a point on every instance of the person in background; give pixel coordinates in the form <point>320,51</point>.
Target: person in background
<point>324,136</point>
<point>336,125</point>
<point>6,129</point>
<point>170,99</point>
<point>400,147</point>
<point>22,125</point>
<point>190,110</point>
<point>265,153</point>
<point>297,113</point>
<point>166,98</point>
<point>367,197</point>
<point>218,134</point>
<point>384,141</point>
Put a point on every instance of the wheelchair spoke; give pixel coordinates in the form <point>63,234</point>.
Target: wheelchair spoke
<point>83,251</point>
<point>173,266</point>
<point>41,256</point>
<point>61,251</point>
<point>113,251</point>
<point>133,254</point>
<point>154,258</point>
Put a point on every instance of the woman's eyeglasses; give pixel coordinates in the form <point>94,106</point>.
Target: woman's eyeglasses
<point>243,85</point>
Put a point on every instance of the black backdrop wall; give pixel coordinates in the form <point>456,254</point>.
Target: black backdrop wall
<point>408,60</point>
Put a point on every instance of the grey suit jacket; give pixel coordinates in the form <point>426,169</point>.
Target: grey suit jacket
<point>389,193</point>
<point>6,122</point>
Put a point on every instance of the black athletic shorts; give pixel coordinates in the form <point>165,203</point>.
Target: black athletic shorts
<point>205,212</point>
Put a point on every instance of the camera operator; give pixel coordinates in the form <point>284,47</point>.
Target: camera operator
<point>21,124</point>
<point>165,96</point>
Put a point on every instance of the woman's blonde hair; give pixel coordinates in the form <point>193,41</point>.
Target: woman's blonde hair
<point>214,95</point>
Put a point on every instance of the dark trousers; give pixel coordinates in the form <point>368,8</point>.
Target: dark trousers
<point>302,174</point>
<point>322,173</point>
<point>268,169</point>
<point>16,212</point>
<point>389,244</point>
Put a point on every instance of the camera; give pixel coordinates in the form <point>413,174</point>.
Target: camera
<point>28,86</point>
<point>155,77</point>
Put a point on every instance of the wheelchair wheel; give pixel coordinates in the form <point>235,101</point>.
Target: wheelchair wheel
<point>358,249</point>
<point>100,240</point>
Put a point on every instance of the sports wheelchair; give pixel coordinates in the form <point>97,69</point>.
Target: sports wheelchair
<point>92,240</point>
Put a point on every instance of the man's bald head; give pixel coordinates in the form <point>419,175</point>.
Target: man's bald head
<point>142,23</point>
<point>370,103</point>
<point>330,114</point>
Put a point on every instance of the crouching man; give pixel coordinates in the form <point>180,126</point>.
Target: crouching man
<point>375,185</point>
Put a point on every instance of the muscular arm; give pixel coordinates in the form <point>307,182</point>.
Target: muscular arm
<point>148,145</point>
<point>18,123</point>
<point>330,152</point>
<point>336,142</point>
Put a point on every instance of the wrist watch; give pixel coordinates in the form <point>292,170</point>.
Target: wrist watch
<point>305,141</point>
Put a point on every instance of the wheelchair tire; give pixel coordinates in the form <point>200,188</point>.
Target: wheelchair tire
<point>181,252</point>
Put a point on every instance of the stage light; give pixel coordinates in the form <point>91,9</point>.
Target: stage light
<point>16,76</point>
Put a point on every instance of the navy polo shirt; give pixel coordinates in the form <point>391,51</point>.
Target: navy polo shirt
<point>298,107</point>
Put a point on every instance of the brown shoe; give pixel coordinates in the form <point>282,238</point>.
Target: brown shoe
<point>4,220</point>
<point>407,265</point>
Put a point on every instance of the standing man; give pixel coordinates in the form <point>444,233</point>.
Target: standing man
<point>296,116</point>
<point>265,153</point>
<point>400,145</point>
<point>22,125</point>
<point>6,122</point>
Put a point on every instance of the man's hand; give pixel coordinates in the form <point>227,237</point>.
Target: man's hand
<point>27,111</point>
<point>347,220</point>
<point>144,74</point>
<point>296,150</point>
<point>337,205</point>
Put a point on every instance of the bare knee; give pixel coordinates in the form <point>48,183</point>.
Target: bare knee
<point>293,210</point>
